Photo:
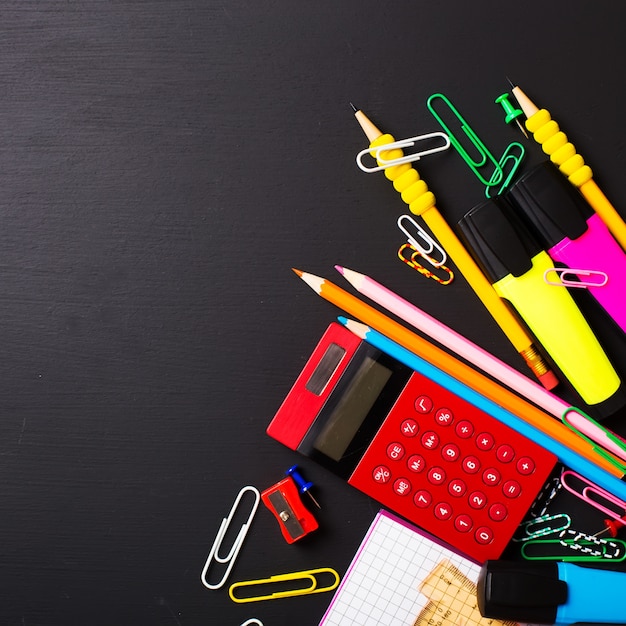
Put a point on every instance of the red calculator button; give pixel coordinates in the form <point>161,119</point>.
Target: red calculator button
<point>422,498</point>
<point>430,440</point>
<point>381,474</point>
<point>457,487</point>
<point>450,452</point>
<point>491,476</point>
<point>444,417</point>
<point>485,441</point>
<point>443,511</point>
<point>436,475</point>
<point>525,465</point>
<point>505,453</point>
<point>423,404</point>
<point>498,512</point>
<point>464,429</point>
<point>395,451</point>
<point>463,523</point>
<point>483,535</point>
<point>416,463</point>
<point>471,464</point>
<point>402,487</point>
<point>409,428</point>
<point>477,499</point>
<point>511,489</point>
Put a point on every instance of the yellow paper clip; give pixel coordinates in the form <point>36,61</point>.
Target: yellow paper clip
<point>234,551</point>
<point>307,576</point>
<point>377,152</point>
<point>412,261</point>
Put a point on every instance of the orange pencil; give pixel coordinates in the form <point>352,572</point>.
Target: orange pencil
<point>456,368</point>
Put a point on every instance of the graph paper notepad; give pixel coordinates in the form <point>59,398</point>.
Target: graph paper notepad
<point>401,577</point>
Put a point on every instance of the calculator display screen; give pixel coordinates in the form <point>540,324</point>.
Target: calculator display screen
<point>354,410</point>
<point>354,406</point>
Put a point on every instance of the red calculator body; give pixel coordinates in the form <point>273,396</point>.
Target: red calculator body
<point>413,445</point>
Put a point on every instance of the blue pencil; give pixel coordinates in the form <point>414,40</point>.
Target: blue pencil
<point>568,457</point>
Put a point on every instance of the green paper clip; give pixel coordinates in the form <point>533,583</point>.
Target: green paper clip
<point>516,160</point>
<point>484,158</point>
<point>575,551</point>
<point>475,164</point>
<point>574,546</point>
<point>543,525</point>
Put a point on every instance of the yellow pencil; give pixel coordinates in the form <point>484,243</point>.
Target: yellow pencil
<point>421,201</point>
<point>563,154</point>
<point>457,369</point>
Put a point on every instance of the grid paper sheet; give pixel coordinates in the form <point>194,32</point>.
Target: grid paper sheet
<point>381,586</point>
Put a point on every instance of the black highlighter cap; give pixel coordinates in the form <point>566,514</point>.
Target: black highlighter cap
<point>553,207</point>
<point>499,241</point>
<point>520,592</point>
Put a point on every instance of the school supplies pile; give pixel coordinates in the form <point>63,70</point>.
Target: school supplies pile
<point>470,452</point>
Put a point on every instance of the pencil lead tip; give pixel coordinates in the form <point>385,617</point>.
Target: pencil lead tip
<point>353,107</point>
<point>298,272</point>
<point>339,269</point>
<point>513,85</point>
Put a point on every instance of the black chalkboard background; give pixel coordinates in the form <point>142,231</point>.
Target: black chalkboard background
<point>163,165</point>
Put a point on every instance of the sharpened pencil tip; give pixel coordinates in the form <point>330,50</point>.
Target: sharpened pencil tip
<point>360,330</point>
<point>353,107</point>
<point>339,269</point>
<point>513,85</point>
<point>315,282</point>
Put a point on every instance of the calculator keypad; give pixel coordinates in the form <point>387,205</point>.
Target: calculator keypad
<point>453,469</point>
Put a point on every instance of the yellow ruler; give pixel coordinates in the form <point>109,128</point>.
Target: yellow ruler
<point>451,600</point>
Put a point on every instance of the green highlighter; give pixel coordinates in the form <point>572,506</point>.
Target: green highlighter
<point>515,264</point>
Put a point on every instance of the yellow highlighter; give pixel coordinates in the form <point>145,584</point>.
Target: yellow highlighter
<point>515,263</point>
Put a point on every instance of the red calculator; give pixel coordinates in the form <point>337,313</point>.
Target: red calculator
<point>416,447</point>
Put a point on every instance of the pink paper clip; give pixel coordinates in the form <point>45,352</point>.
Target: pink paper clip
<point>593,278</point>
<point>593,495</point>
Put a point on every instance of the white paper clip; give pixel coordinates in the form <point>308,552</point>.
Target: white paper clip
<point>430,242</point>
<point>563,272</point>
<point>234,551</point>
<point>402,143</point>
<point>253,621</point>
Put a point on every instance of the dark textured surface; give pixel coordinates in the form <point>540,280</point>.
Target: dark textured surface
<point>163,165</point>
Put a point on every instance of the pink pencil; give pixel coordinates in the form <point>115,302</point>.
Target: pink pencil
<point>455,342</point>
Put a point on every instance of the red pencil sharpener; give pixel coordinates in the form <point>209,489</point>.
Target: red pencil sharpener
<point>294,519</point>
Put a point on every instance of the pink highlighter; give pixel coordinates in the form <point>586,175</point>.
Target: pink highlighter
<point>573,235</point>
